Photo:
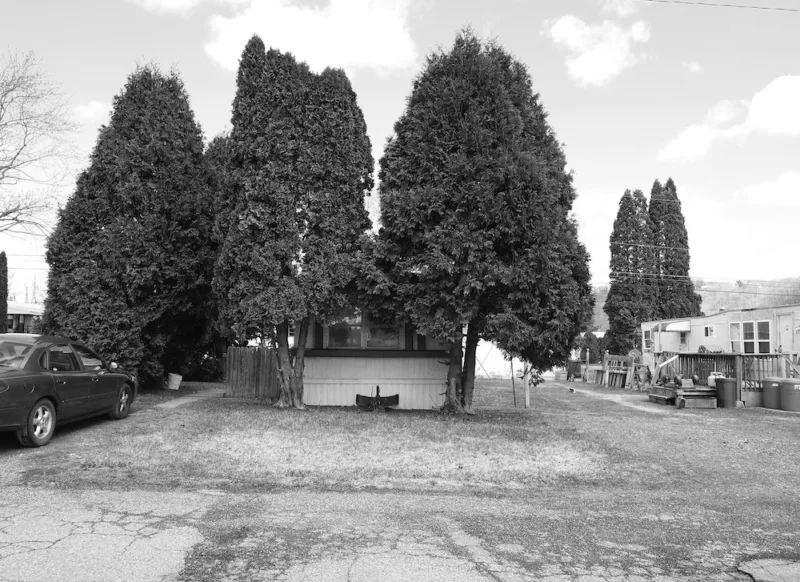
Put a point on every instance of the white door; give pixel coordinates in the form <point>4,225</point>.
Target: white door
<point>785,332</point>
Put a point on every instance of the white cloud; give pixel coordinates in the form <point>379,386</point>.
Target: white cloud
<point>93,111</point>
<point>621,8</point>
<point>166,5</point>
<point>725,112</point>
<point>350,34</point>
<point>776,108</point>
<point>774,111</point>
<point>598,52</point>
<point>785,191</point>
<point>691,143</point>
<point>595,212</point>
<point>178,6</point>
<point>693,67</point>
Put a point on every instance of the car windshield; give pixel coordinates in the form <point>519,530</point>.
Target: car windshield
<point>12,354</point>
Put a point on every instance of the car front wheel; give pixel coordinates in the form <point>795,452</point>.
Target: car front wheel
<point>39,426</point>
<point>123,405</point>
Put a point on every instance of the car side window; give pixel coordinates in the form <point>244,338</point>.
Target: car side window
<point>61,359</point>
<point>89,359</point>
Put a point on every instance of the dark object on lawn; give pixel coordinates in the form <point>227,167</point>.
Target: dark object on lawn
<point>573,370</point>
<point>377,402</point>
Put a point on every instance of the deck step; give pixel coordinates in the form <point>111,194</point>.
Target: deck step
<point>682,402</point>
<point>661,399</point>
<point>698,393</point>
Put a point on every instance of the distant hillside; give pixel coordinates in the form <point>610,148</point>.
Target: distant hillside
<point>718,296</point>
<point>744,294</point>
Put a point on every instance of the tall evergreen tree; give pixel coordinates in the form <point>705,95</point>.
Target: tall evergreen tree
<point>131,256</point>
<point>475,203</point>
<point>631,296</point>
<point>301,165</point>
<point>3,292</point>
<point>676,296</point>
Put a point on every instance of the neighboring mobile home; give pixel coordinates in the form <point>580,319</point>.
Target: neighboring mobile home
<point>757,330</point>
<point>21,316</point>
<point>749,345</point>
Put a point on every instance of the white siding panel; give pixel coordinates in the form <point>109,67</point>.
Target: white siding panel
<point>336,381</point>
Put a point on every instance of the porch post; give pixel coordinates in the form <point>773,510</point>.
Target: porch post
<point>739,372</point>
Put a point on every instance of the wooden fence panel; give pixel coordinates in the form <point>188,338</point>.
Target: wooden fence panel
<point>252,373</point>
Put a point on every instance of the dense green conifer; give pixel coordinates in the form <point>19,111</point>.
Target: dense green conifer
<point>676,296</point>
<point>475,205</point>
<point>131,256</point>
<point>632,294</point>
<point>300,167</point>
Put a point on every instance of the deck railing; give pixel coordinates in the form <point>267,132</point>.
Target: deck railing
<point>748,369</point>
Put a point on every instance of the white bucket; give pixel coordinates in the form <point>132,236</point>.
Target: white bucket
<point>174,381</point>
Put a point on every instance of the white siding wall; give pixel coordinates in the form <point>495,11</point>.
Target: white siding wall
<point>670,341</point>
<point>335,381</point>
<point>698,338</point>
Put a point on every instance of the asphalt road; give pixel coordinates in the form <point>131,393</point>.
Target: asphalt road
<point>561,533</point>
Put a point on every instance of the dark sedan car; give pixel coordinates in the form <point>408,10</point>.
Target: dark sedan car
<point>44,378</point>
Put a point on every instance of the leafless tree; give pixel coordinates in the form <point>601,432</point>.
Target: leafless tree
<point>34,144</point>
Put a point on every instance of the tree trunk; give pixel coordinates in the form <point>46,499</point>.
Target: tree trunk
<point>469,366</point>
<point>300,361</point>
<point>452,396</point>
<point>289,373</point>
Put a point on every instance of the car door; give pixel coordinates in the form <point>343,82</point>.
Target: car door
<point>103,384</point>
<point>71,384</point>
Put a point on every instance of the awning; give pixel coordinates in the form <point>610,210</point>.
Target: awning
<point>678,326</point>
<point>24,309</point>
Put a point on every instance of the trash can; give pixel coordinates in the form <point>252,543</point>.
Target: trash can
<point>174,381</point>
<point>726,392</point>
<point>790,394</point>
<point>771,388</point>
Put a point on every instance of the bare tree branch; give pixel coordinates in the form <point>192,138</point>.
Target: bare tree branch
<point>34,144</point>
<point>27,212</point>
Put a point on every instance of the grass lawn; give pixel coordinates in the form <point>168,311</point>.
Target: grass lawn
<point>564,439</point>
<point>239,444</point>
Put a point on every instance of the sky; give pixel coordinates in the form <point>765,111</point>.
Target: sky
<point>636,90</point>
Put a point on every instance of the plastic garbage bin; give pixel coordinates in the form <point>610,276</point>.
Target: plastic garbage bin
<point>174,381</point>
<point>772,391</point>
<point>726,392</point>
<point>790,394</point>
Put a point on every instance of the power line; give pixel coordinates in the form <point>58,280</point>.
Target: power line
<point>795,296</point>
<point>681,279</point>
<point>726,5</point>
<point>624,244</point>
<point>656,275</point>
<point>745,283</point>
